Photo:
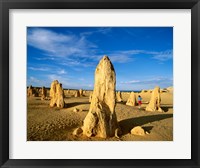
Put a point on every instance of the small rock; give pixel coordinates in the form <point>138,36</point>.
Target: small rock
<point>43,128</point>
<point>37,127</point>
<point>59,126</point>
<point>75,110</point>
<point>77,131</point>
<point>138,131</point>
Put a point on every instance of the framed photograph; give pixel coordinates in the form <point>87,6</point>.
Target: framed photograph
<point>99,83</point>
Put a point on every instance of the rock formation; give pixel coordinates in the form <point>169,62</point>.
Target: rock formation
<point>154,104</point>
<point>144,91</point>
<point>138,131</point>
<point>75,110</point>
<point>170,89</point>
<point>119,97</point>
<point>77,131</point>
<point>43,93</point>
<point>30,91</point>
<point>101,120</point>
<point>132,100</point>
<point>56,94</point>
<point>81,92</point>
<point>90,97</point>
<point>76,93</point>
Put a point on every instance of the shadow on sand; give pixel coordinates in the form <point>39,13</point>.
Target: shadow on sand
<point>68,105</point>
<point>166,108</point>
<point>127,124</point>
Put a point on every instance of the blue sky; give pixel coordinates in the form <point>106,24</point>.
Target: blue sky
<point>142,56</point>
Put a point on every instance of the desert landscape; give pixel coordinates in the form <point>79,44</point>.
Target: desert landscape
<point>100,83</point>
<point>102,114</point>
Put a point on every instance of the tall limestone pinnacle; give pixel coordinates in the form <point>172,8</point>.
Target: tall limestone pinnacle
<point>101,120</point>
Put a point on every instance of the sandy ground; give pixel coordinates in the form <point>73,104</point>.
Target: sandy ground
<point>54,124</point>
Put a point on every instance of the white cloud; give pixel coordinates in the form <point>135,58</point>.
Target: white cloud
<point>38,69</point>
<point>163,56</point>
<point>44,58</point>
<point>125,56</point>
<point>58,45</point>
<point>69,83</point>
<point>76,51</point>
<point>36,82</point>
<point>114,57</point>
<point>103,30</point>
<point>152,81</point>
<point>130,82</point>
<point>62,71</point>
<point>120,58</point>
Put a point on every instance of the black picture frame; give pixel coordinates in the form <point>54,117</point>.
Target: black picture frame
<point>5,5</point>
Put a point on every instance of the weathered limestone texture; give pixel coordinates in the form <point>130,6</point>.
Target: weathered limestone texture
<point>56,94</point>
<point>101,120</point>
<point>138,131</point>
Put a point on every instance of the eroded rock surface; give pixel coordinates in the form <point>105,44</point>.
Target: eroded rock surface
<point>101,120</point>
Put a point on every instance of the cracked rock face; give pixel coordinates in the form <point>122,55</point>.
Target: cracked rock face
<point>56,94</point>
<point>101,119</point>
<point>154,104</point>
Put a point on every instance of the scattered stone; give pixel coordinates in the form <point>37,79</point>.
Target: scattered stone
<point>34,95</point>
<point>147,133</point>
<point>154,104</point>
<point>101,120</point>
<point>75,110</point>
<point>77,131</point>
<point>131,100</point>
<point>138,131</point>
